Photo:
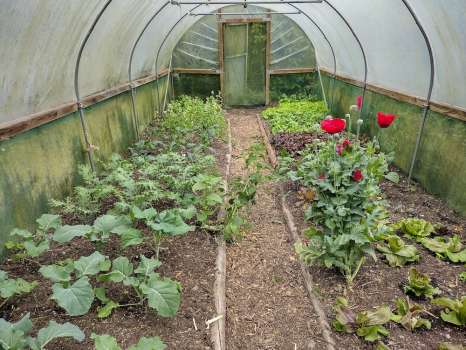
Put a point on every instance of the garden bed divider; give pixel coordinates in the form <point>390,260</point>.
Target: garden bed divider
<point>326,331</point>
<point>218,328</point>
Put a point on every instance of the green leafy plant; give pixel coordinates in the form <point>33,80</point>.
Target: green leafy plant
<point>295,115</point>
<point>366,324</point>
<point>420,285</point>
<point>195,114</point>
<point>10,287</point>
<point>409,315</point>
<point>462,276</point>
<point>107,342</point>
<point>347,212</point>
<point>446,248</point>
<point>28,244</point>
<point>162,294</point>
<point>72,289</point>
<point>455,310</point>
<point>416,229</point>
<point>16,336</point>
<point>243,190</point>
<point>397,252</point>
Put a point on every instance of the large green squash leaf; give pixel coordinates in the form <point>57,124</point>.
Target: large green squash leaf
<point>53,331</point>
<point>154,343</point>
<point>163,295</point>
<point>76,299</point>
<point>105,342</point>
<point>66,233</point>
<point>92,264</point>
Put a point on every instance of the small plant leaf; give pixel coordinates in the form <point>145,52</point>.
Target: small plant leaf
<point>163,295</point>
<point>55,330</point>
<point>49,221</point>
<point>105,342</point>
<point>76,299</point>
<point>67,233</point>
<point>393,177</point>
<point>129,236</point>
<point>56,273</point>
<point>34,250</point>
<point>107,309</point>
<point>154,343</point>
<point>13,335</point>
<point>147,266</point>
<point>90,265</point>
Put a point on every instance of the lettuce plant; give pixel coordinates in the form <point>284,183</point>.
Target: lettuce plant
<point>16,336</point>
<point>446,248</point>
<point>409,315</point>
<point>366,324</point>
<point>420,285</point>
<point>455,310</point>
<point>348,211</point>
<point>397,252</point>
<point>106,342</point>
<point>416,229</point>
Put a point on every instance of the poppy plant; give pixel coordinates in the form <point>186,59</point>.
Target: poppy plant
<point>357,175</point>
<point>359,102</point>
<point>346,144</point>
<point>333,126</point>
<point>385,120</point>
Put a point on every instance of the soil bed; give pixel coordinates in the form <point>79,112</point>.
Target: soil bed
<point>188,259</point>
<point>378,283</point>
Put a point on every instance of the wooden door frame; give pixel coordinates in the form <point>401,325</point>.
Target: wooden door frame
<point>222,22</point>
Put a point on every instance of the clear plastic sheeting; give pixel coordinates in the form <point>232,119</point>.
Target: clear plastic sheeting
<point>41,39</point>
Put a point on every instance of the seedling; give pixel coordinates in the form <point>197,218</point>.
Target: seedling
<point>420,285</point>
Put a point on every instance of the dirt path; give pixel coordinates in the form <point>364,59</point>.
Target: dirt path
<point>267,304</point>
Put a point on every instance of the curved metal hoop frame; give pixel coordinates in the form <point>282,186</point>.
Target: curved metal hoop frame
<point>431,87</point>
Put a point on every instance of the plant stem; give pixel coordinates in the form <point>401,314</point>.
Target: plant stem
<point>4,302</point>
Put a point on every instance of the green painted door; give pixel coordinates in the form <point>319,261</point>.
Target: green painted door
<point>244,64</point>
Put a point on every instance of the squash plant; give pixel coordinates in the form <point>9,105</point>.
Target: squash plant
<point>28,244</point>
<point>348,211</point>
<point>16,336</point>
<point>10,287</point>
<point>107,342</point>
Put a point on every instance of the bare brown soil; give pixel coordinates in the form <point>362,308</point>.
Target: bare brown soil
<point>267,304</point>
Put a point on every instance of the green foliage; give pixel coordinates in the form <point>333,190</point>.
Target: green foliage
<point>295,116</point>
<point>420,285</point>
<point>106,342</point>
<point>415,228</point>
<point>446,248</point>
<point>243,190</point>
<point>15,336</point>
<point>347,214</point>
<point>10,287</point>
<point>366,324</point>
<point>397,252</point>
<point>28,244</point>
<point>195,114</point>
<point>409,315</point>
<point>463,276</point>
<point>455,310</point>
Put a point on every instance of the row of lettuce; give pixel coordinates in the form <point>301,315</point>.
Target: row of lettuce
<point>167,185</point>
<point>339,179</point>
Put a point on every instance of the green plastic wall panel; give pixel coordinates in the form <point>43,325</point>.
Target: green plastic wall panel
<point>199,85</point>
<point>441,159</point>
<point>299,84</point>
<point>42,163</point>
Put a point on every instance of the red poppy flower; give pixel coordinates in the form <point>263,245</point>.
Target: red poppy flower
<point>357,175</point>
<point>333,126</point>
<point>346,144</point>
<point>385,120</point>
<point>359,102</point>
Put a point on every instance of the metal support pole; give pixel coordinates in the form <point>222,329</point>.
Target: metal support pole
<point>90,147</point>
<point>161,46</point>
<point>243,14</point>
<point>130,76</point>
<point>331,49</point>
<point>360,46</point>
<point>246,3</point>
<point>426,108</point>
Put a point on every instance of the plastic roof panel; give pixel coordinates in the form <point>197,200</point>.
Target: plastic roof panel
<point>41,38</point>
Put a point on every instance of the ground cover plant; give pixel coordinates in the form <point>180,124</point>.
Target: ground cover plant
<point>292,115</point>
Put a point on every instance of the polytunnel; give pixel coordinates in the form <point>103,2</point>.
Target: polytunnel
<point>86,88</point>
